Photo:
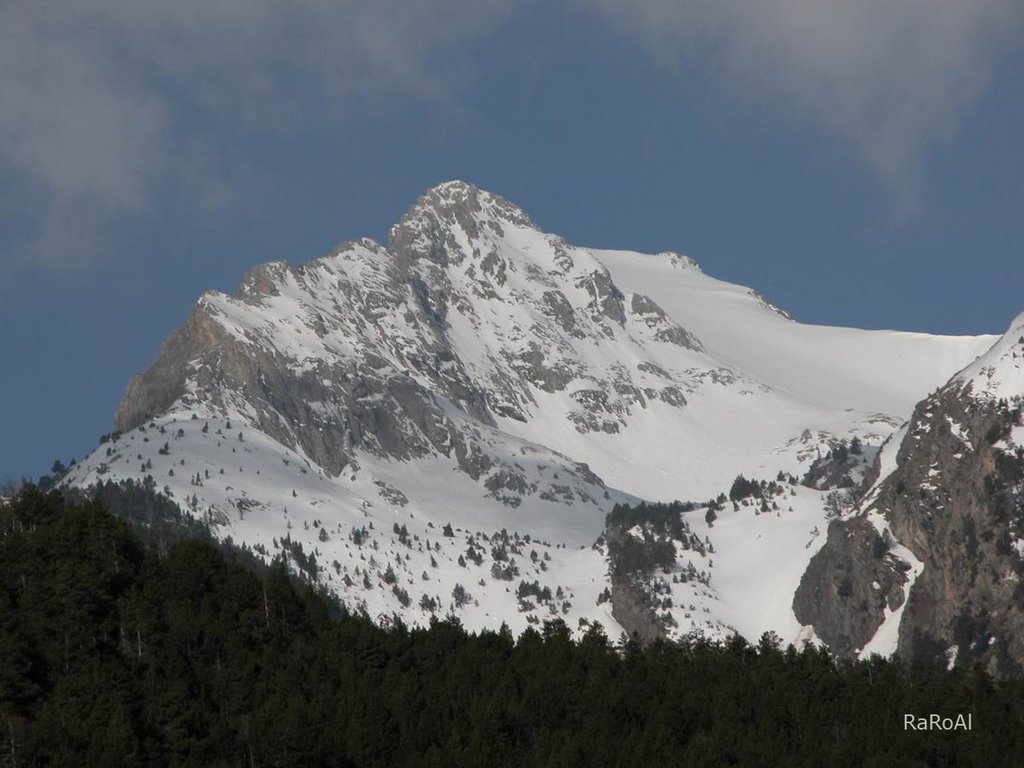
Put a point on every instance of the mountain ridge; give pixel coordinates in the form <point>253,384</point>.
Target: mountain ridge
<point>479,374</point>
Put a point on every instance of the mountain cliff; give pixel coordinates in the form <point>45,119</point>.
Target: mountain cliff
<point>930,564</point>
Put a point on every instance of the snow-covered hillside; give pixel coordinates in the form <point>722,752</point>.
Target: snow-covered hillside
<point>444,422</point>
<point>999,372</point>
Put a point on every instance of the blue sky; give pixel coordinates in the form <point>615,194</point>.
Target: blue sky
<point>858,164</point>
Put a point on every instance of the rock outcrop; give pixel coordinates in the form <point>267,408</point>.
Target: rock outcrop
<point>954,499</point>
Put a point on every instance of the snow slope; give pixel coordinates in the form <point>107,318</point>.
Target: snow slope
<point>999,372</point>
<point>839,368</point>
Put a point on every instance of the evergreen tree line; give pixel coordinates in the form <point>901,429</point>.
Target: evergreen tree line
<point>117,652</point>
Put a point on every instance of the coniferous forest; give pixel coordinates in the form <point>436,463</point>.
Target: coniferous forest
<point>118,652</point>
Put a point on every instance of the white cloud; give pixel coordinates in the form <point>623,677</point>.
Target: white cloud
<point>892,77</point>
<point>93,91</point>
<point>103,101</point>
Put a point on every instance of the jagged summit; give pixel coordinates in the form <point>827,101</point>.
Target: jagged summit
<point>456,194</point>
<point>452,211</point>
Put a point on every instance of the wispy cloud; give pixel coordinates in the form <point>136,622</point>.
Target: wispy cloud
<point>102,102</point>
<point>891,77</point>
<point>92,92</point>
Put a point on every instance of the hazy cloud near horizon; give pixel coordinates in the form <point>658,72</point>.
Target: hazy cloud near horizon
<point>96,96</point>
<point>95,93</point>
<point>891,77</point>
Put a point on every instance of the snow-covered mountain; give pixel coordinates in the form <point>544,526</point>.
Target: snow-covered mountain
<point>444,422</point>
<point>930,563</point>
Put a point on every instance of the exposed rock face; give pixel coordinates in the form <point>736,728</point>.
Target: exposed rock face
<point>654,317</point>
<point>956,503</point>
<point>376,348</point>
<point>955,500</point>
<point>157,389</point>
<point>635,614</point>
<point>843,467</point>
<point>848,585</point>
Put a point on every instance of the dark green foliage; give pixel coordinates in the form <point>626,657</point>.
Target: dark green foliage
<point>505,572</point>
<point>642,538</point>
<point>534,589</point>
<point>359,535</point>
<point>743,488</point>
<point>305,563</point>
<point>633,558</point>
<point>113,653</point>
<point>460,595</point>
<point>663,518</point>
<point>427,603</point>
<point>403,534</point>
<point>153,517</point>
<point>474,554</point>
<point>57,472</point>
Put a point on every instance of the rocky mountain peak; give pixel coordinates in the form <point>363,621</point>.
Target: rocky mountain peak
<point>454,213</point>
<point>478,378</point>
